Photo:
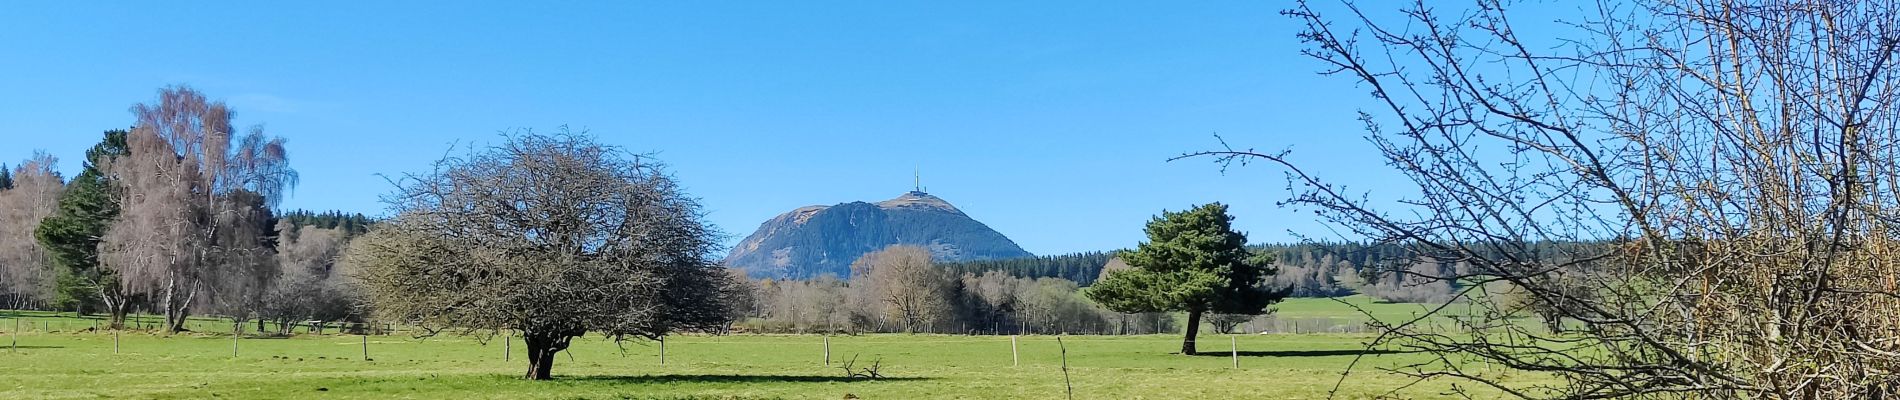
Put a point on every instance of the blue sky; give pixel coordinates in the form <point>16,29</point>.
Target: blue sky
<point>1049,122</point>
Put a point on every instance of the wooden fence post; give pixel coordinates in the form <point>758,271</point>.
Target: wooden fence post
<point>1234,346</point>
<point>508,347</point>
<point>827,350</point>
<point>1015,359</point>
<point>365,346</point>
<point>662,350</point>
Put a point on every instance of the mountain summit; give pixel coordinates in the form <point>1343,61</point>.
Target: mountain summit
<point>815,240</point>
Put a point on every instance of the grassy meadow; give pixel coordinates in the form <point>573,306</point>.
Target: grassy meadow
<point>59,358</point>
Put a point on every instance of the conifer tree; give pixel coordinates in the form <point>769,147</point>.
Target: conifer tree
<point>1193,262</point>
<point>71,235</point>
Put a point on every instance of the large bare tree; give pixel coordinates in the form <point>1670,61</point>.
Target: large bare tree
<point>195,205</point>
<point>26,273</point>
<point>1708,189</point>
<point>904,282</point>
<point>555,236</point>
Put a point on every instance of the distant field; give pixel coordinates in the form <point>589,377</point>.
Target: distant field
<point>53,361</point>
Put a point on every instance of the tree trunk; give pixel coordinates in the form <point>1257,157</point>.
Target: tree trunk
<point>117,310</point>
<point>540,360</point>
<point>1193,328</point>
<point>178,297</point>
<point>542,346</point>
<point>178,323</point>
<point>169,301</point>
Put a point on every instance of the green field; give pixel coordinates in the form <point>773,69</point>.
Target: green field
<point>57,358</point>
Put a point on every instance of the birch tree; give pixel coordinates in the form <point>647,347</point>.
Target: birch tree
<point>191,200</point>
<point>26,270</point>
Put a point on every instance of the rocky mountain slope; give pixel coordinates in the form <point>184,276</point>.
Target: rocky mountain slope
<point>816,240</point>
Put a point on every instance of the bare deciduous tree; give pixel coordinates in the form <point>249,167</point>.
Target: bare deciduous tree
<point>1720,177</point>
<point>194,205</point>
<point>1418,282</point>
<point>1055,306</point>
<point>311,286</point>
<point>26,274</point>
<point>555,236</point>
<point>243,261</point>
<point>1229,323</point>
<point>819,304</point>
<point>902,279</point>
<point>997,291</point>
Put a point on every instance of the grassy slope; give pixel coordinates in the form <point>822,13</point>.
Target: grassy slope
<point>82,365</point>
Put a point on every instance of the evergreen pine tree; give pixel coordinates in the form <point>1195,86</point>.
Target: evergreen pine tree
<point>1193,262</point>
<point>71,235</point>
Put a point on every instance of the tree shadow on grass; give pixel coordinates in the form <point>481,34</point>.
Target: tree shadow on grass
<point>650,379</point>
<point>30,347</point>
<point>1302,353</point>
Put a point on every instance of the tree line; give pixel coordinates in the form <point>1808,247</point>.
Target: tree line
<point>1194,263</point>
<point>900,289</point>
<point>175,216</point>
<point>1081,268</point>
<point>351,224</point>
<point>1385,271</point>
<point>996,291</point>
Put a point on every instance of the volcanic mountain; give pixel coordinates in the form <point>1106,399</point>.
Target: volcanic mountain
<point>816,240</point>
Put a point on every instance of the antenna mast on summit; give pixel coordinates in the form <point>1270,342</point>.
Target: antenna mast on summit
<point>917,179</point>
